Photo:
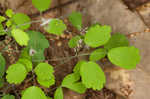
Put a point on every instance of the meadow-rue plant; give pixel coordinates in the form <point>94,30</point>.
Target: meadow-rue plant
<point>86,74</point>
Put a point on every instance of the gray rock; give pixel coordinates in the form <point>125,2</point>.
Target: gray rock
<point>144,12</point>
<point>117,15</point>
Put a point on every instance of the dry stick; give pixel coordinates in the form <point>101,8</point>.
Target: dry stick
<point>33,76</point>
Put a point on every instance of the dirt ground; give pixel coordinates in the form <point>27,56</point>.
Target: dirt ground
<point>58,49</point>
<point>133,4</point>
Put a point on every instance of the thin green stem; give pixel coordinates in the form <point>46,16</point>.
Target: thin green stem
<point>64,58</point>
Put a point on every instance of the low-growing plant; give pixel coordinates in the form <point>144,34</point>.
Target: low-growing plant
<point>86,74</point>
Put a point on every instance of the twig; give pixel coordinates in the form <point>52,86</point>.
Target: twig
<point>64,58</point>
<point>14,89</point>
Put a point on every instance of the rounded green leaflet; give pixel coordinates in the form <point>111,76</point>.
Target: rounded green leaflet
<point>37,41</point>
<point>46,83</point>
<point>20,36</point>
<point>27,63</point>
<point>56,27</point>
<point>16,73</point>
<point>71,81</point>
<point>2,19</point>
<point>76,19</point>
<point>58,93</point>
<point>117,40</point>
<point>92,76</point>
<point>76,69</point>
<point>98,54</point>
<point>9,13</point>
<point>71,78</point>
<point>44,71</point>
<point>9,23</point>
<point>41,5</point>
<point>25,54</point>
<point>97,35</point>
<point>74,41</point>
<point>38,56</point>
<point>33,92</point>
<point>77,87</point>
<point>2,65</point>
<point>125,57</point>
<point>21,20</point>
<point>8,97</point>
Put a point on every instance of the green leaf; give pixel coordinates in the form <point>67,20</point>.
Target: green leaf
<point>117,40</point>
<point>125,57</point>
<point>27,63</point>
<point>22,91</point>
<point>25,54</point>
<point>44,71</point>
<point>77,87</point>
<point>98,54</point>
<point>56,26</point>
<point>16,73</point>
<point>76,19</point>
<point>8,97</point>
<point>20,36</point>
<point>74,41</point>
<point>71,78</point>
<point>41,5</point>
<point>2,65</point>
<point>9,13</point>
<point>8,23</point>
<point>46,83</point>
<point>21,20</point>
<point>92,75</point>
<point>71,81</point>
<point>33,92</point>
<point>2,19</point>
<point>77,66</point>
<point>38,56</point>
<point>37,41</point>
<point>2,32</point>
<point>58,93</point>
<point>97,35</point>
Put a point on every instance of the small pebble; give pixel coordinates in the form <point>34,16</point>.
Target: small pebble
<point>147,30</point>
<point>63,36</point>
<point>68,37</point>
<point>59,43</point>
<point>57,37</point>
